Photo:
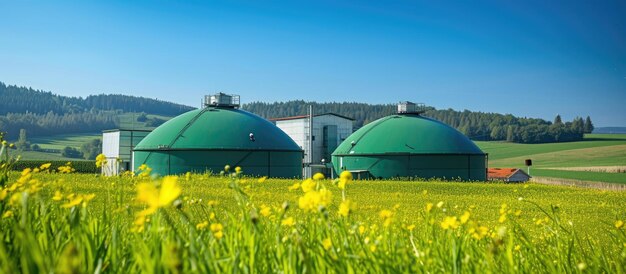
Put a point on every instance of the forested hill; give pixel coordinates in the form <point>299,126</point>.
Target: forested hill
<point>476,125</point>
<point>42,113</point>
<point>27,100</point>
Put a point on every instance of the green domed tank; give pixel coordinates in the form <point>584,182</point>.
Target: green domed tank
<point>410,145</point>
<point>210,138</point>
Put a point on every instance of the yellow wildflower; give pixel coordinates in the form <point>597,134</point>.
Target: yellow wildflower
<point>87,198</point>
<point>308,185</point>
<point>410,227</point>
<point>502,218</point>
<point>361,229</point>
<point>327,243</point>
<point>439,204</point>
<point>26,171</point>
<point>139,221</point>
<point>503,208</point>
<point>3,194</point>
<point>295,186</point>
<point>517,248</point>
<point>148,194</point>
<point>619,224</point>
<point>73,202</point>
<point>318,176</point>
<point>265,211</point>
<point>313,200</point>
<point>144,171</point>
<point>238,169</point>
<point>385,214</point>
<point>345,208</point>
<point>262,179</point>
<point>202,226</point>
<point>7,214</point>
<point>212,203</point>
<point>101,160</point>
<point>429,207</point>
<point>288,222</point>
<point>450,222</point>
<point>479,232</point>
<point>465,217</point>
<point>346,175</point>
<point>373,248</point>
<point>344,178</point>
<point>217,230</point>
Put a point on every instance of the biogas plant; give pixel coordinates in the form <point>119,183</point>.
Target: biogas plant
<point>404,145</point>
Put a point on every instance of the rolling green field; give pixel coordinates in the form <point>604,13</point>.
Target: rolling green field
<point>619,178</point>
<point>501,151</point>
<point>58,142</point>
<point>202,223</point>
<point>64,140</point>
<point>595,150</point>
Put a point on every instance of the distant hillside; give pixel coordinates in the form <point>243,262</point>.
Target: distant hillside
<point>43,113</point>
<point>476,125</point>
<point>610,130</point>
<point>27,100</point>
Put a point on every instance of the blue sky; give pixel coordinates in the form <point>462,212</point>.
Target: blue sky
<point>528,58</point>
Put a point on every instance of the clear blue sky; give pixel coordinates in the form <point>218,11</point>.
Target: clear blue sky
<point>529,58</point>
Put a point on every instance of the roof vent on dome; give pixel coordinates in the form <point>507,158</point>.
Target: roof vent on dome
<point>407,107</point>
<point>221,100</point>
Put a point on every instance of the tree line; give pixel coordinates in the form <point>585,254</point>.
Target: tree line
<point>476,125</point>
<point>17,99</point>
<point>51,123</point>
<point>43,113</point>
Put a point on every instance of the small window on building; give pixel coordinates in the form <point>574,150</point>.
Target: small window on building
<point>313,138</point>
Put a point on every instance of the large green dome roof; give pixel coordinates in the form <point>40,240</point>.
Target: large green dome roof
<point>406,134</point>
<point>219,129</point>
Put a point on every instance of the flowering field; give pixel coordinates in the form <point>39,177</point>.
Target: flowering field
<point>57,221</point>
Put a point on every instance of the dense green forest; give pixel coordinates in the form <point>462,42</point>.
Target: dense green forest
<point>43,113</point>
<point>476,125</point>
<point>51,124</point>
<point>27,100</point>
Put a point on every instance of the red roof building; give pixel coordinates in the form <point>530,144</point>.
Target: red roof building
<point>507,175</point>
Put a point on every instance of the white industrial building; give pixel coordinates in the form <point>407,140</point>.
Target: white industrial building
<point>117,146</point>
<point>318,137</point>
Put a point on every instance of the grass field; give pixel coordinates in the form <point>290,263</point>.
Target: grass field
<point>129,120</point>
<point>38,155</point>
<point>619,178</point>
<point>595,150</point>
<point>504,150</point>
<point>58,142</point>
<point>64,140</point>
<point>76,223</point>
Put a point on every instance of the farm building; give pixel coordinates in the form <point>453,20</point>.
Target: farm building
<point>318,137</point>
<point>507,175</point>
<point>408,144</point>
<point>119,144</point>
<point>217,135</point>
